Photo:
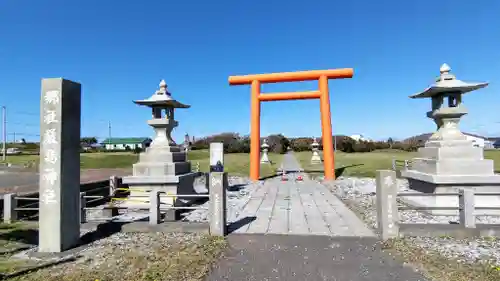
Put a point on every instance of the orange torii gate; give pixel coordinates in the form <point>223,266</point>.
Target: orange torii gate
<point>322,94</point>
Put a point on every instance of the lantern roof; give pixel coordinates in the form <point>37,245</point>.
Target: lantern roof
<point>447,83</point>
<point>162,98</point>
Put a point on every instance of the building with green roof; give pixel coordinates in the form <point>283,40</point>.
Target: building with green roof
<point>126,143</point>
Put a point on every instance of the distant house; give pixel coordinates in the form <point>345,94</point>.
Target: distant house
<point>125,143</point>
<point>496,144</point>
<point>479,141</point>
<point>89,147</point>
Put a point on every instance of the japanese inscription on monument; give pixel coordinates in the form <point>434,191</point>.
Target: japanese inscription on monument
<point>50,152</point>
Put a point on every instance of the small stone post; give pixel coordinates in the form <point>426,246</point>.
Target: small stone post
<point>216,153</point>
<point>316,158</point>
<point>216,156</point>
<point>217,203</point>
<point>154,207</point>
<point>9,208</point>
<point>83,211</point>
<point>387,208</point>
<point>59,217</point>
<point>466,205</point>
<point>114,184</point>
<point>265,150</point>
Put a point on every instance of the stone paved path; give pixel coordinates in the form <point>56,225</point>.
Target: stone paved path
<point>256,257</point>
<point>297,207</point>
<point>324,240</point>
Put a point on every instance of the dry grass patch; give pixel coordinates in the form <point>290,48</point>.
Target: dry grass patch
<point>12,240</point>
<point>138,257</point>
<point>439,268</point>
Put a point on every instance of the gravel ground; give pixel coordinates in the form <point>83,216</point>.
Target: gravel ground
<point>360,192</point>
<point>238,194</point>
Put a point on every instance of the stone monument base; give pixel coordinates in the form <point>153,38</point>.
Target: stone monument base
<point>316,160</point>
<point>431,183</point>
<point>141,186</point>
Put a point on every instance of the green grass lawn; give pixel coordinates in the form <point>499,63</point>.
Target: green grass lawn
<point>235,163</point>
<point>366,164</point>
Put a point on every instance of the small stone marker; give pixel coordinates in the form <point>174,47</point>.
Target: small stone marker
<point>466,204</point>
<point>9,208</point>
<point>387,209</point>
<point>154,207</point>
<point>216,153</point>
<point>59,222</point>
<point>217,161</point>
<point>217,203</point>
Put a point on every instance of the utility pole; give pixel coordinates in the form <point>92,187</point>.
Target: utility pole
<point>4,133</point>
<point>109,134</point>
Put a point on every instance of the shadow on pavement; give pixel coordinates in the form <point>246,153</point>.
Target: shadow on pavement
<point>25,236</point>
<point>338,171</point>
<point>240,223</point>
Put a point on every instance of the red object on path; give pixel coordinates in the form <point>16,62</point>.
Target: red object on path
<point>299,178</point>
<point>283,177</point>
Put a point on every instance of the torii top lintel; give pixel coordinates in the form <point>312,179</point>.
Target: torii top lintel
<point>292,76</point>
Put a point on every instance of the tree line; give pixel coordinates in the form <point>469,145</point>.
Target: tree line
<point>235,143</point>
<point>278,143</point>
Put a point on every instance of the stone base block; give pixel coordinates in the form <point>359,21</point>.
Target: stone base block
<point>153,169</point>
<point>453,166</point>
<point>162,155</point>
<point>316,160</point>
<point>451,152</point>
<point>449,143</point>
<point>452,200</point>
<point>172,186</point>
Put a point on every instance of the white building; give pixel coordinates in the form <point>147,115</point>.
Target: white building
<point>359,138</point>
<point>479,141</point>
<point>126,143</point>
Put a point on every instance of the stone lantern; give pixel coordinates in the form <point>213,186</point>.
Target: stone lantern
<point>265,149</point>
<point>186,142</point>
<point>449,160</point>
<point>163,165</point>
<point>316,158</point>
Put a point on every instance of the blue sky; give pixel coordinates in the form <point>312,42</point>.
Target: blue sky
<point>120,50</point>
